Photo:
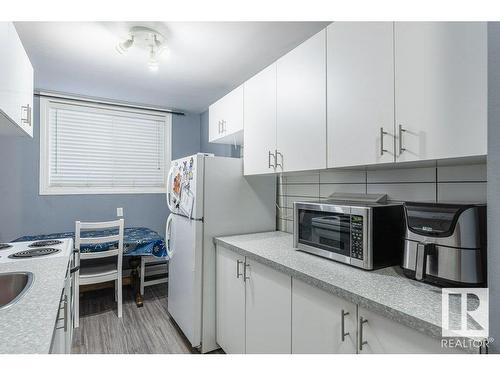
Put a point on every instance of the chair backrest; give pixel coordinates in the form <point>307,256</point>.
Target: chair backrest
<point>79,240</point>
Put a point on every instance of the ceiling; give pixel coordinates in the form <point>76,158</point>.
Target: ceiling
<point>203,60</point>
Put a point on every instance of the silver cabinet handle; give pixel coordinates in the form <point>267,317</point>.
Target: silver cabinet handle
<point>276,164</point>
<point>65,313</point>
<point>238,274</point>
<point>401,131</point>
<point>382,149</point>
<point>271,155</point>
<point>27,120</point>
<point>343,334</point>
<point>223,123</point>
<point>361,342</point>
<point>245,277</point>
<point>219,127</point>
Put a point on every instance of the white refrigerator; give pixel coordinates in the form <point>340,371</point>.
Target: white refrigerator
<point>208,196</point>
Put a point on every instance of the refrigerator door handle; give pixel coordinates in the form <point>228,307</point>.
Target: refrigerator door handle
<point>168,231</point>
<point>169,186</point>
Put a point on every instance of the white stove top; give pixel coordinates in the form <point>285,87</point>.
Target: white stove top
<point>65,246</point>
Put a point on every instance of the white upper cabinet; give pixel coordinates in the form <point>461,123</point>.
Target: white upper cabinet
<point>441,89</point>
<point>16,84</point>
<point>360,84</point>
<point>392,92</point>
<point>260,123</point>
<point>301,106</point>
<point>226,119</point>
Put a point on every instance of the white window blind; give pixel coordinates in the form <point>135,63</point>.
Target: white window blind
<point>104,150</point>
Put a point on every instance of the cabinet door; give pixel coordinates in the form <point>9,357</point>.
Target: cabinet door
<point>230,301</point>
<point>385,336</point>
<point>360,84</point>
<point>317,321</point>
<point>260,122</point>
<point>441,89</point>
<point>214,126</point>
<point>16,82</point>
<point>59,344</point>
<point>226,118</point>
<point>301,106</point>
<point>232,112</point>
<point>268,310</point>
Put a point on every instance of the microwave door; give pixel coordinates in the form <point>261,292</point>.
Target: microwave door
<point>334,235</point>
<point>325,233</point>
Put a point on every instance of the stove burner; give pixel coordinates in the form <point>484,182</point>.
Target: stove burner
<point>4,246</point>
<point>33,253</point>
<point>45,243</point>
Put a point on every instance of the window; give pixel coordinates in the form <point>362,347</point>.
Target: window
<point>102,149</point>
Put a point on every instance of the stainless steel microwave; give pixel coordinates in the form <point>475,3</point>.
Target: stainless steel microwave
<point>361,234</point>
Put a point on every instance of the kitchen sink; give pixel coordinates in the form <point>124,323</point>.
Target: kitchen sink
<point>13,286</point>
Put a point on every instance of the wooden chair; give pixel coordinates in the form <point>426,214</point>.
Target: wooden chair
<point>99,273</point>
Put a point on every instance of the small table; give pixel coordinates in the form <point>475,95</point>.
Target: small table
<point>137,242</point>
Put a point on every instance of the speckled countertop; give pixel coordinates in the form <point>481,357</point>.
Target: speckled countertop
<point>28,325</point>
<point>386,291</point>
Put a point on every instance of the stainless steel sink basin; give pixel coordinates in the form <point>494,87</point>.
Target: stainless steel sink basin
<point>13,286</point>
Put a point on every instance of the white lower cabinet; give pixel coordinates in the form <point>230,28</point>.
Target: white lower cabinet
<point>380,335</point>
<point>321,322</point>
<point>268,309</point>
<point>253,305</point>
<point>230,301</point>
<point>262,310</point>
<point>63,330</point>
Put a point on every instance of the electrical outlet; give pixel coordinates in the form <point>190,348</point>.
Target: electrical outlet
<point>119,211</point>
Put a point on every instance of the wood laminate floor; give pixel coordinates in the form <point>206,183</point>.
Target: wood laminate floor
<point>148,329</point>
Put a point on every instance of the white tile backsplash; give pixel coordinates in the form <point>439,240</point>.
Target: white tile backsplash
<point>285,213</point>
<point>301,177</point>
<point>474,172</point>
<point>302,190</point>
<point>462,192</point>
<point>290,199</point>
<point>461,183</point>
<point>342,177</point>
<point>325,190</point>
<point>402,175</point>
<point>405,191</point>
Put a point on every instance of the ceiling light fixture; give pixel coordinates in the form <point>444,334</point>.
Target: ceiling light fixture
<point>153,61</point>
<point>147,39</point>
<point>123,47</point>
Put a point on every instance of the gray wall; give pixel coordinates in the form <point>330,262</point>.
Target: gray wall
<point>23,211</point>
<point>214,148</point>
<point>494,180</point>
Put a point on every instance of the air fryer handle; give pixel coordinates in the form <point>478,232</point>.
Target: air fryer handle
<point>423,249</point>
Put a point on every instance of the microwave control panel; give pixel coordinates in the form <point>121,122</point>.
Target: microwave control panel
<point>357,237</point>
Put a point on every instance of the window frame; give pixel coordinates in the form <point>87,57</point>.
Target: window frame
<point>45,148</point>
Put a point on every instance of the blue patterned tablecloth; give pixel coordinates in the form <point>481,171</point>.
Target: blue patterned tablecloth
<point>136,241</point>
